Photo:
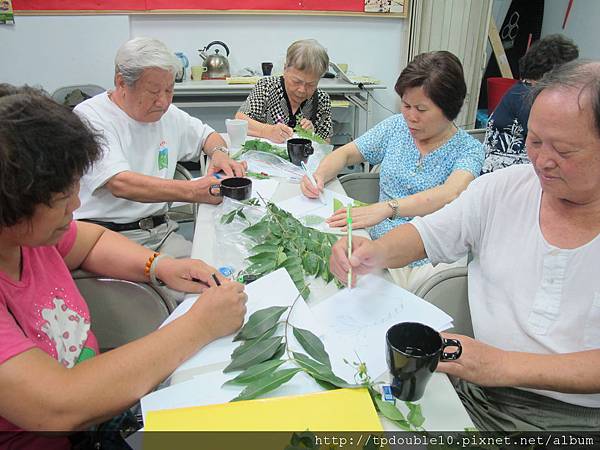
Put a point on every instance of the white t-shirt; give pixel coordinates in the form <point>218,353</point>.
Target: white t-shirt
<point>524,294</point>
<point>147,148</point>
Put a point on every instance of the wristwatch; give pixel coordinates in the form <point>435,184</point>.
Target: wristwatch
<point>220,148</point>
<point>395,209</point>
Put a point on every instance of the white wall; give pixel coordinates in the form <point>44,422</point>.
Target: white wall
<point>369,46</point>
<point>582,25</point>
<point>54,51</point>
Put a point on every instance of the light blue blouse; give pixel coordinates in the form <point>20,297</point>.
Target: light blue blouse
<point>390,144</point>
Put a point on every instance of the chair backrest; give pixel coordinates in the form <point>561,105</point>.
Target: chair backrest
<point>121,311</point>
<point>362,186</point>
<point>72,95</point>
<point>187,212</point>
<point>478,133</point>
<point>448,291</point>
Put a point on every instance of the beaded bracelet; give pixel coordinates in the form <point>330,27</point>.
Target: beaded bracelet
<point>150,269</point>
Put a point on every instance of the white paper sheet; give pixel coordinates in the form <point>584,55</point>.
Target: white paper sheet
<point>301,207</point>
<point>206,389</point>
<point>275,289</point>
<point>266,188</point>
<point>356,321</point>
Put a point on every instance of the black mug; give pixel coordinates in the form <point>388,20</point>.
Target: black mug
<point>266,67</point>
<point>413,353</point>
<point>236,188</point>
<point>299,150</point>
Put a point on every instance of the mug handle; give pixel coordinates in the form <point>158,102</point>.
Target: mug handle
<point>308,149</point>
<point>210,190</point>
<point>451,343</point>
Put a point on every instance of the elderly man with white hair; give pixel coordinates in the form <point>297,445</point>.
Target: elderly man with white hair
<point>145,135</point>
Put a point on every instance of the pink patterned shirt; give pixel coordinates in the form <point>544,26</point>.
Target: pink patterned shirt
<point>44,309</point>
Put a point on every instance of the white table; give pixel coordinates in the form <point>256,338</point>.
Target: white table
<point>441,406</point>
<point>217,93</point>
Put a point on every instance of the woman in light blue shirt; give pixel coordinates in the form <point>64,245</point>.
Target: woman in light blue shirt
<point>426,161</point>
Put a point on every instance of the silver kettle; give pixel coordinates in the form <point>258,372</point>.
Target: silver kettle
<point>217,66</point>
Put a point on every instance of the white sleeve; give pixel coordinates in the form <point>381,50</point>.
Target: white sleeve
<point>193,134</point>
<point>113,160</point>
<point>455,230</point>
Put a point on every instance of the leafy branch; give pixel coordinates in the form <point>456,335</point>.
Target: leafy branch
<point>283,241</point>
<point>261,146</point>
<point>308,134</point>
<point>262,353</point>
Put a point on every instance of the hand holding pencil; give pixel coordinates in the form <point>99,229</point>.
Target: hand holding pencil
<point>352,256</point>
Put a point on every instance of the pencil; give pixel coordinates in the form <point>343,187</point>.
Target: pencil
<point>349,222</point>
<point>214,277</point>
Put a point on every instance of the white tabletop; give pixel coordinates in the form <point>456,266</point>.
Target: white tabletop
<point>441,406</point>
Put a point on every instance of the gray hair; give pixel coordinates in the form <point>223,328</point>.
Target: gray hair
<point>579,74</point>
<point>142,53</point>
<point>307,55</point>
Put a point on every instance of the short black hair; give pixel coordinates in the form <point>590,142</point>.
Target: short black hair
<point>44,149</point>
<point>440,73</point>
<point>546,54</point>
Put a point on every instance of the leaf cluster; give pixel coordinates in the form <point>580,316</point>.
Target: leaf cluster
<point>260,355</point>
<point>263,351</point>
<point>283,241</point>
<point>308,134</point>
<point>262,146</point>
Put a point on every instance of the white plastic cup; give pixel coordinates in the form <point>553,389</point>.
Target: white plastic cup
<point>237,129</point>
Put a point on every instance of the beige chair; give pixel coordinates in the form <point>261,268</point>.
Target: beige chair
<point>478,133</point>
<point>448,291</point>
<point>183,213</point>
<point>361,186</point>
<point>121,311</point>
<point>72,95</point>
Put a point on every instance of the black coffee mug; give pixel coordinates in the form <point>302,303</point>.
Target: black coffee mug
<point>236,188</point>
<point>299,150</point>
<point>266,67</point>
<point>413,353</point>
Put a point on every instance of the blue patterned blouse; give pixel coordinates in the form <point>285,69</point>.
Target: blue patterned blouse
<point>390,144</point>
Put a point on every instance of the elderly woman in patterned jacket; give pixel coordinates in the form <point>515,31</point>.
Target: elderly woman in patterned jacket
<point>426,160</point>
<point>278,104</point>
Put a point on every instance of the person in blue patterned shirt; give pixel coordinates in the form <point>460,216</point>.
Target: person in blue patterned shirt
<point>426,160</point>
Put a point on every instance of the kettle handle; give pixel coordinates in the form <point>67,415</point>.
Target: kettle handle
<point>222,44</point>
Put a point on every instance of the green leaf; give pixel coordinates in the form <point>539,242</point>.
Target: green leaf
<point>255,372</point>
<point>358,203</point>
<point>257,175</point>
<point>257,231</point>
<point>313,345</point>
<point>262,351</point>
<point>337,204</point>
<point>310,263</point>
<point>308,134</point>
<point>247,345</point>
<point>311,220</point>
<point>415,415</point>
<point>260,322</point>
<point>266,384</point>
<point>320,371</point>
<point>263,257</point>
<point>264,248</point>
<point>389,410</point>
<point>261,268</point>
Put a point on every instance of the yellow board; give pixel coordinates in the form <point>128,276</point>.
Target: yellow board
<point>242,80</point>
<point>336,410</point>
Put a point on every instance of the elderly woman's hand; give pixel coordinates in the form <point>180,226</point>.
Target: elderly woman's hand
<point>307,124</point>
<point>187,275</point>
<point>362,217</point>
<point>222,162</point>
<point>309,189</point>
<point>278,133</point>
